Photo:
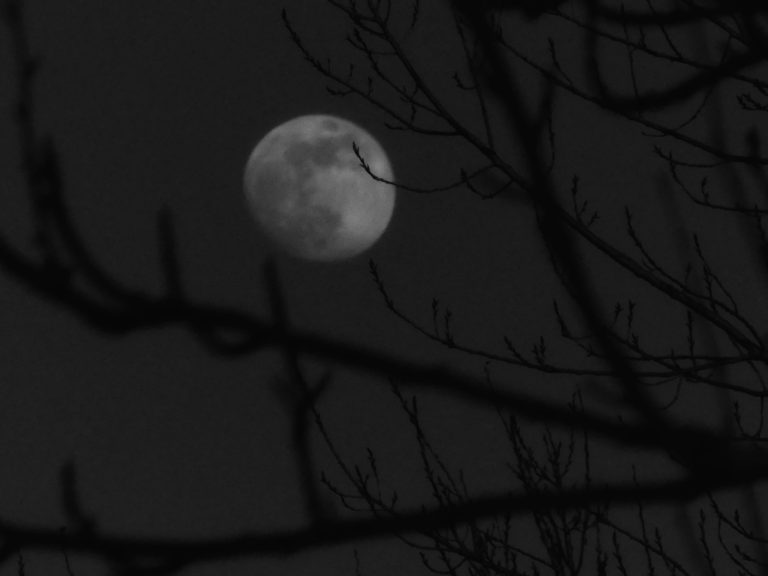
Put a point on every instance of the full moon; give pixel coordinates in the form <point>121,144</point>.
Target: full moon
<point>309,194</point>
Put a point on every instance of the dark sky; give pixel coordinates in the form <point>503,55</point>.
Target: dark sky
<point>156,104</point>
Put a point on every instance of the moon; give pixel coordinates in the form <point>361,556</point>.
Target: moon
<point>309,194</point>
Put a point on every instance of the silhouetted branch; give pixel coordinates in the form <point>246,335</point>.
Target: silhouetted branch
<point>280,542</point>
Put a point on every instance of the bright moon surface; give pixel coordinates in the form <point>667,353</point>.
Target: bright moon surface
<point>309,193</point>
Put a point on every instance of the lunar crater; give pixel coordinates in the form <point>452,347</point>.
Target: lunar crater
<point>323,152</point>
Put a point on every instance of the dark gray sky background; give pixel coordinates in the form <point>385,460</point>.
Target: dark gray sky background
<point>157,104</point>
<point>154,104</point>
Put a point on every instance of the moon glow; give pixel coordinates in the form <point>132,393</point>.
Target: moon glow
<point>309,194</point>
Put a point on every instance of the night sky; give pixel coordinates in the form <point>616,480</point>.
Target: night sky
<point>158,104</point>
